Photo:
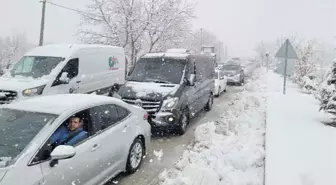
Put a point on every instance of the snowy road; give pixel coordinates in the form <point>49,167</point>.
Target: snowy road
<point>173,146</point>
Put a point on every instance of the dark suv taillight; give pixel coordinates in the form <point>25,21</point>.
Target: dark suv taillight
<point>145,116</point>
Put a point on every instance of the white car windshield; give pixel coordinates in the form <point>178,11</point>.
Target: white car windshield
<point>17,129</point>
<point>35,66</point>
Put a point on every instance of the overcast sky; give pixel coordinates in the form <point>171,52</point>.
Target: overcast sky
<point>240,24</point>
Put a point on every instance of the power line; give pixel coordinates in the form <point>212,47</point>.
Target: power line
<point>67,8</point>
<point>60,6</point>
<point>91,16</point>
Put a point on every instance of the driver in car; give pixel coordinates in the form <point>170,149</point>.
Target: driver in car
<point>70,134</point>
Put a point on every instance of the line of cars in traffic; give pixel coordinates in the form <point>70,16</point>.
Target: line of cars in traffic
<point>54,131</point>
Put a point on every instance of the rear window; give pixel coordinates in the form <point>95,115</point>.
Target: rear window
<point>231,67</point>
<point>17,129</point>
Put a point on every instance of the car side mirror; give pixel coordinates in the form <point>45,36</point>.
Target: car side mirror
<point>63,152</point>
<point>191,79</point>
<point>64,79</point>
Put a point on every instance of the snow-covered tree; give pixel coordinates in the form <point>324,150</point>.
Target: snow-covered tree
<point>138,26</point>
<point>11,49</point>
<point>306,64</point>
<point>327,91</point>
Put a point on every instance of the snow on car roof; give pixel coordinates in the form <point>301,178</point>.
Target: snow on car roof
<point>58,104</point>
<point>64,50</point>
<point>166,55</point>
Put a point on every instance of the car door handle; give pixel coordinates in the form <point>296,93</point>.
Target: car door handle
<point>78,81</point>
<point>95,147</point>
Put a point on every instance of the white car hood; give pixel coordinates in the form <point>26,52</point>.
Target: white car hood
<point>20,84</point>
<point>3,172</point>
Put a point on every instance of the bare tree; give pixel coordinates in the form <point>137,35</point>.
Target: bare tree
<point>169,23</point>
<point>11,48</point>
<point>137,26</point>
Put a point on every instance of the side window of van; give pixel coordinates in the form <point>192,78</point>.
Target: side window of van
<point>71,68</point>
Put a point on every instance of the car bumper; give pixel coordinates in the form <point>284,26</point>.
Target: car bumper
<point>233,79</point>
<point>165,120</point>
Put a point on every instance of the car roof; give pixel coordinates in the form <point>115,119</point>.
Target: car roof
<point>58,104</point>
<point>64,50</point>
<point>167,55</point>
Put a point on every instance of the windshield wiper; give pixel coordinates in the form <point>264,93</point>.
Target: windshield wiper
<point>159,81</point>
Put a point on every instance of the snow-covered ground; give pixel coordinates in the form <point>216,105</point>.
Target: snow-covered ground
<point>230,151</point>
<point>300,149</point>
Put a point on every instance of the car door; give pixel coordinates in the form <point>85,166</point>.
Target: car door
<point>57,87</point>
<point>115,137</point>
<point>192,94</point>
<point>83,168</point>
<point>222,80</point>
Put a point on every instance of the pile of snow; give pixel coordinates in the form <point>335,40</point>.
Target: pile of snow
<point>229,151</point>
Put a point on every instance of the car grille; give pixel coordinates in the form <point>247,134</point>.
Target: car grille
<point>149,105</point>
<point>7,96</point>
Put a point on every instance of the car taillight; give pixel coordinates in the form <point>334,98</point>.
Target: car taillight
<point>146,116</point>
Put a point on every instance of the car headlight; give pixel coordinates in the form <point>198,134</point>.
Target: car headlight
<point>170,103</point>
<point>34,91</point>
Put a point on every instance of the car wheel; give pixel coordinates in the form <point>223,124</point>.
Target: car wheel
<point>208,106</point>
<point>184,122</point>
<point>225,88</point>
<point>135,156</point>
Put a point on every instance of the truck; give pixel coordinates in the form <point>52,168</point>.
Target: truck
<point>210,50</point>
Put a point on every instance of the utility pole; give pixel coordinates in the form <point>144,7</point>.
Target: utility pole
<point>226,53</point>
<point>285,71</point>
<point>42,21</point>
<point>202,37</point>
<point>267,62</point>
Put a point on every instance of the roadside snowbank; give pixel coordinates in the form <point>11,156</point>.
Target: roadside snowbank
<point>229,151</point>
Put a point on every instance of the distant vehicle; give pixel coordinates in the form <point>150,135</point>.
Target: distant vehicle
<point>220,65</point>
<point>220,82</point>
<point>63,69</point>
<point>172,87</point>
<point>117,136</point>
<point>235,73</point>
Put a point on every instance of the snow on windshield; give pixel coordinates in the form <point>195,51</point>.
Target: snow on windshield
<point>17,129</point>
<point>35,66</point>
<point>4,161</point>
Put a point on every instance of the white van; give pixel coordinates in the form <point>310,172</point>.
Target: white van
<point>62,69</point>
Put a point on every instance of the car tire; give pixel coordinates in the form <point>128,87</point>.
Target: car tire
<point>241,81</point>
<point>183,122</point>
<point>135,156</point>
<point>209,104</point>
<point>225,88</point>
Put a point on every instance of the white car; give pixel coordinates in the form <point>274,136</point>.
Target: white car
<point>110,137</point>
<point>220,82</point>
